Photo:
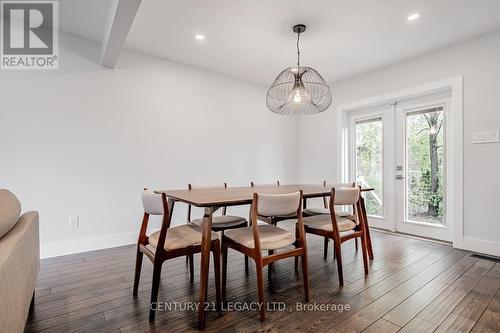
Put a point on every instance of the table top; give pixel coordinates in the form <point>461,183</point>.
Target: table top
<point>233,196</point>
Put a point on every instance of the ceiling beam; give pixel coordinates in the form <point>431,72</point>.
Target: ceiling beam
<point>120,20</point>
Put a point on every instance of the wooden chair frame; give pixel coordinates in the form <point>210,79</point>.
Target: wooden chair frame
<point>326,239</point>
<point>161,255</point>
<point>338,239</point>
<point>260,260</point>
<point>216,228</point>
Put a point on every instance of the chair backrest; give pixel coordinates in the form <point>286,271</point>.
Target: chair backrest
<point>152,202</point>
<point>269,205</point>
<point>337,186</point>
<point>196,187</point>
<point>346,196</point>
<point>278,204</point>
<point>256,184</point>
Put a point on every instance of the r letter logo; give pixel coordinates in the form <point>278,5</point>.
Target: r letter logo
<point>29,36</point>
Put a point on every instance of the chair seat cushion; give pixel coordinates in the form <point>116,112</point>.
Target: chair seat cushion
<point>180,237</point>
<point>316,211</point>
<point>223,221</point>
<point>271,237</point>
<point>326,211</point>
<point>324,222</point>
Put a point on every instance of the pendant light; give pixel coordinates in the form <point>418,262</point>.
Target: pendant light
<point>298,90</point>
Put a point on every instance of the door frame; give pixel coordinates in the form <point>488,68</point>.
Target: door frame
<point>455,143</point>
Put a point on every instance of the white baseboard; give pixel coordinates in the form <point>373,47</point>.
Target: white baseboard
<point>374,222</point>
<point>71,246</point>
<point>481,246</point>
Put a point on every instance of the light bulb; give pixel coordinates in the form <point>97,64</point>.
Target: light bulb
<point>296,97</point>
<point>299,95</point>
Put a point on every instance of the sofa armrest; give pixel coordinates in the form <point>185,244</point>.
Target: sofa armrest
<point>19,267</point>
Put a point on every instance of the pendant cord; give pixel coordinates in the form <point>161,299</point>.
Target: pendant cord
<point>298,51</point>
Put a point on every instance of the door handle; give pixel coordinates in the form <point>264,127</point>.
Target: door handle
<point>400,177</point>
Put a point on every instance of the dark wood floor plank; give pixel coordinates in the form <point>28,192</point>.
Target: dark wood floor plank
<point>375,310</point>
<point>411,306</point>
<point>382,325</point>
<point>437,311</point>
<point>91,292</point>
<point>418,325</point>
<point>490,319</point>
<point>467,313</point>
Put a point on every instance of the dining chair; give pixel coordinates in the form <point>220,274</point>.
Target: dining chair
<point>274,219</point>
<point>168,243</point>
<point>252,184</point>
<point>220,223</point>
<point>326,210</point>
<point>340,229</point>
<point>259,237</point>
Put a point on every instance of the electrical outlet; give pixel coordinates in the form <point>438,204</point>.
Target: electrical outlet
<point>74,221</point>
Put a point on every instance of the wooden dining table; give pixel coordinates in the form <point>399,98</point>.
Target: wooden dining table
<point>211,199</point>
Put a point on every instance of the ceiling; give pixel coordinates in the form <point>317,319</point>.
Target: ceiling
<point>252,39</point>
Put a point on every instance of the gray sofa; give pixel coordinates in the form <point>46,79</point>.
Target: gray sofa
<point>19,262</point>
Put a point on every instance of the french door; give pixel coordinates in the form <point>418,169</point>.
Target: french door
<point>399,150</point>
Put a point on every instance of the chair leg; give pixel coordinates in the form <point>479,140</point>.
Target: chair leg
<point>246,257</point>
<point>336,246</point>
<point>191,267</point>
<point>154,289</point>
<point>305,277</point>
<point>216,256</point>
<point>296,258</point>
<point>270,267</point>
<point>356,243</point>
<point>224,268</point>
<point>246,264</point>
<point>334,253</point>
<point>260,285</point>
<point>325,248</point>
<point>138,266</point>
<point>365,254</point>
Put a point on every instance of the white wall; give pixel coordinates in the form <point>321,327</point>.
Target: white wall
<point>85,140</point>
<point>478,60</point>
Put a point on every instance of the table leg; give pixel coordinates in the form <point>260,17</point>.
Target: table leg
<point>205,264</point>
<point>367,228</point>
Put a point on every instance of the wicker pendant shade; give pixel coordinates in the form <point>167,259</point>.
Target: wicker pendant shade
<point>299,90</point>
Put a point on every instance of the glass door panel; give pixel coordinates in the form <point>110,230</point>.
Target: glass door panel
<point>369,162</point>
<point>425,165</point>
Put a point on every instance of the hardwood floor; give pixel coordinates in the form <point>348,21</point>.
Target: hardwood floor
<point>413,286</point>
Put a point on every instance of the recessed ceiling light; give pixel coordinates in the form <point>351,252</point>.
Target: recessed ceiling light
<point>413,17</point>
<point>199,37</point>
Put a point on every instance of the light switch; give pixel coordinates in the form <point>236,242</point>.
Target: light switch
<point>485,137</point>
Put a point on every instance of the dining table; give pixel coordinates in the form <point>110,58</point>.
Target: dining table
<point>211,199</point>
